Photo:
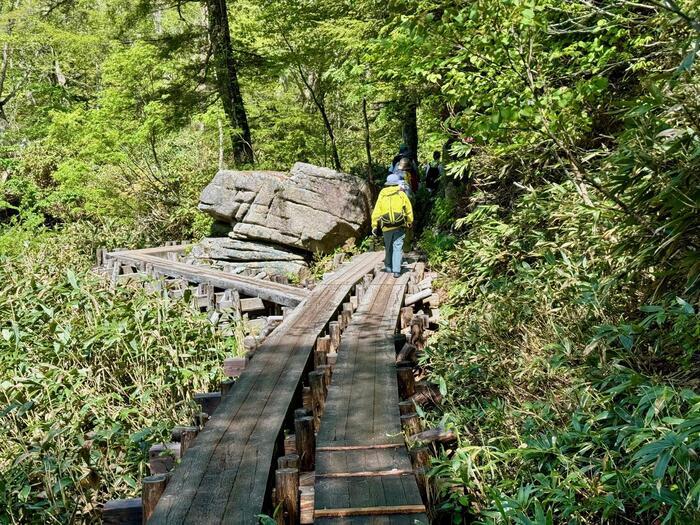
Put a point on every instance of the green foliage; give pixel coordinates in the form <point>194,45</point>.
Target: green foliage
<point>566,406</point>
<point>89,378</point>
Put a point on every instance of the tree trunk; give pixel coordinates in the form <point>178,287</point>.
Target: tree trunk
<point>329,129</point>
<point>227,81</point>
<point>409,129</point>
<point>368,145</point>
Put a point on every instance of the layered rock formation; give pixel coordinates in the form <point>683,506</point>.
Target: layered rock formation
<point>281,218</point>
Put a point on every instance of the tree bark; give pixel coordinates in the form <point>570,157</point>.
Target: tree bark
<point>227,81</point>
<point>409,131</point>
<point>329,128</point>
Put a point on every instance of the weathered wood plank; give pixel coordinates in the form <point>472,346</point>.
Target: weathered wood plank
<point>252,304</point>
<point>283,294</point>
<point>224,477</point>
<point>363,471</point>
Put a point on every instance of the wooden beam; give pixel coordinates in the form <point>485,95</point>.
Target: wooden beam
<point>364,474</point>
<point>413,299</point>
<point>123,512</point>
<point>252,304</point>
<point>283,294</point>
<point>369,511</point>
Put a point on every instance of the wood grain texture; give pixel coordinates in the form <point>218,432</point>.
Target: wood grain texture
<point>363,470</point>
<point>267,290</point>
<point>225,476</point>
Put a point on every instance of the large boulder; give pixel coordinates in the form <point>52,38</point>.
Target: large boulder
<point>310,208</point>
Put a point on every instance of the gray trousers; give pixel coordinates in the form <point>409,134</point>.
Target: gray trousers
<point>393,250</point>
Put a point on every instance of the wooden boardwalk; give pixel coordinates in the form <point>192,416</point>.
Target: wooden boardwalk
<point>225,475</point>
<point>278,293</point>
<point>363,470</point>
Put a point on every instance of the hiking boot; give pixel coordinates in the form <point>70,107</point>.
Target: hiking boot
<point>397,275</point>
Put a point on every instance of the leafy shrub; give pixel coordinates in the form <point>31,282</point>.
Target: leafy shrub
<point>90,377</point>
<point>571,407</point>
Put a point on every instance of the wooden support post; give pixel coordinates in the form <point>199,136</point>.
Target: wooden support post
<point>176,432</point>
<point>346,314</point>
<point>406,316</point>
<point>99,257</point>
<point>341,321</point>
<point>161,457</point>
<point>234,366</point>
<point>115,273</point>
<point>338,259</point>
<point>200,419</point>
<point>152,490</point>
<point>287,492</point>
<point>359,292</point>
<point>334,332</point>
<point>187,436</point>
<point>417,331</point>
<point>306,442</point>
<point>209,401</point>
<point>411,424</point>
<point>419,271</point>
<point>406,407</point>
<point>123,512</point>
<point>327,375</point>
<point>288,461</point>
<point>318,395</point>
<point>408,353</point>
<point>407,383</point>
<point>420,458</point>
<point>323,346</point>
<point>226,386</point>
<point>332,359</point>
<point>306,398</point>
<point>354,302</point>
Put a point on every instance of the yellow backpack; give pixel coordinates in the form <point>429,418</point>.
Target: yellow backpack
<point>393,215</point>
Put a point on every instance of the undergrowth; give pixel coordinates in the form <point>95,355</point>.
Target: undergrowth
<point>90,376</point>
<point>575,397</point>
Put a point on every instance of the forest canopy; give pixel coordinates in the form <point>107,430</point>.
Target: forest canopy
<point>566,229</point>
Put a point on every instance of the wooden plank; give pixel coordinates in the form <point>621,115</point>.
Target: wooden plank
<point>394,519</point>
<point>358,447</point>
<point>224,477</point>
<point>386,510</point>
<point>123,512</point>
<point>423,294</point>
<point>363,469</point>
<point>365,473</point>
<point>252,304</point>
<point>283,294</point>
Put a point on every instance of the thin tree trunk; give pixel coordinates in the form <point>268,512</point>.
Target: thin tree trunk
<point>331,135</point>
<point>227,81</point>
<point>409,130</point>
<point>368,145</point>
<point>320,105</point>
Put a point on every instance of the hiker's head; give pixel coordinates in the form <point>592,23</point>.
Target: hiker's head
<point>436,155</point>
<point>393,180</point>
<point>405,164</point>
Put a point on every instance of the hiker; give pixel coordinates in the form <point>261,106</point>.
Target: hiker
<point>392,215</point>
<point>406,169</point>
<point>403,152</point>
<point>434,172</point>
